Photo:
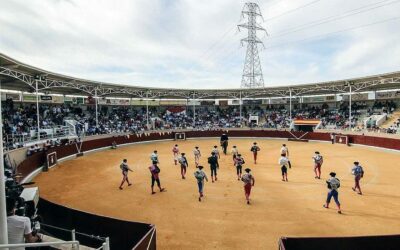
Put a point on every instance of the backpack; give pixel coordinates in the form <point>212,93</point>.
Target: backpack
<point>333,186</point>
<point>122,167</point>
<point>358,171</point>
<point>199,176</point>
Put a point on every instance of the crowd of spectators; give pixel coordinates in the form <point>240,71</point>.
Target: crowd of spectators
<point>20,119</point>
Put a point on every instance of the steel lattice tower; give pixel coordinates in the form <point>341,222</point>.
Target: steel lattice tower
<point>252,73</point>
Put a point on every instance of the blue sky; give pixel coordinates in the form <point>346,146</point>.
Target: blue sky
<point>195,44</point>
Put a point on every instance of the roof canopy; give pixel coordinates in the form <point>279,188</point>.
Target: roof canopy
<point>15,75</point>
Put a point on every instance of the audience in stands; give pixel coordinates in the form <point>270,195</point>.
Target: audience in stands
<point>19,120</point>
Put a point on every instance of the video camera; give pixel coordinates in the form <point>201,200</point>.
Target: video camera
<point>26,198</point>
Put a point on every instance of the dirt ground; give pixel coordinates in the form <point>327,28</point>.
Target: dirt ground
<point>224,220</point>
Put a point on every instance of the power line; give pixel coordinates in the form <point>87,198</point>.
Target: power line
<point>334,18</point>
<point>292,10</point>
<point>335,32</point>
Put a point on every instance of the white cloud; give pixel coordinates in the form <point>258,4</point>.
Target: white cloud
<point>195,44</point>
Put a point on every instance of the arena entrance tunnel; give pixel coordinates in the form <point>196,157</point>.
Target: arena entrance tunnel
<point>144,234</point>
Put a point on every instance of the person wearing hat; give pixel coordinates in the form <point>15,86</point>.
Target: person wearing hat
<point>154,156</point>
<point>318,160</point>
<point>283,162</point>
<point>224,142</point>
<point>234,153</point>
<point>155,171</point>
<point>255,150</point>
<point>175,152</point>
<point>248,181</point>
<point>358,173</point>
<point>285,151</point>
<point>125,168</point>
<point>333,185</point>
<point>197,155</point>
<point>200,175</point>
<point>216,152</point>
<point>184,164</point>
<point>239,161</point>
<point>213,161</point>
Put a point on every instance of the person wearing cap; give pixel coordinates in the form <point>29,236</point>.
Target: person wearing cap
<point>200,176</point>
<point>285,151</point>
<point>248,181</point>
<point>318,160</point>
<point>184,164</point>
<point>154,156</point>
<point>125,168</point>
<point>234,153</point>
<point>197,155</point>
<point>255,150</point>
<point>333,185</point>
<point>155,171</point>
<point>213,161</point>
<point>239,161</point>
<point>18,227</point>
<point>358,173</point>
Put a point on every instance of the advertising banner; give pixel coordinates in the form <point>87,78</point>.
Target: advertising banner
<point>388,95</point>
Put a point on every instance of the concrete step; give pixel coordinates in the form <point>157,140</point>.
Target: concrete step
<point>391,119</point>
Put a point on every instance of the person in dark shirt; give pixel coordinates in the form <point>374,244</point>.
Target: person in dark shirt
<point>239,161</point>
<point>224,142</point>
<point>213,161</point>
<point>255,150</point>
<point>125,168</point>
<point>184,164</point>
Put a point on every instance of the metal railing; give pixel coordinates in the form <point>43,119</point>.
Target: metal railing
<point>46,133</point>
<point>106,240</point>
<point>41,244</point>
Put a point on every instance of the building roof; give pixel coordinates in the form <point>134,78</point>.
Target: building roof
<point>15,75</point>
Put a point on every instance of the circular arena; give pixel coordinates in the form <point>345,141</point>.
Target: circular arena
<point>185,159</point>
<point>277,208</point>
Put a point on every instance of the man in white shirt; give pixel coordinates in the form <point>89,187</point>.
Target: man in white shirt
<point>19,227</point>
<point>333,185</point>
<point>154,156</point>
<point>285,151</point>
<point>197,155</point>
<point>216,151</point>
<point>283,162</point>
<point>234,153</point>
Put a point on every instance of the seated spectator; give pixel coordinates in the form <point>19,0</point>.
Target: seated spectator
<point>18,227</point>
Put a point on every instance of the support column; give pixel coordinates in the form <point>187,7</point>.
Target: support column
<point>96,102</point>
<point>350,107</point>
<point>240,107</point>
<point>147,109</point>
<point>3,213</point>
<point>290,104</point>
<point>37,110</point>
<point>194,110</point>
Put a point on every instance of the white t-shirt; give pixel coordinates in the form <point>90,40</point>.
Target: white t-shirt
<point>216,151</point>
<point>18,227</point>
<point>284,150</point>
<point>234,151</point>
<point>283,161</point>
<point>196,152</point>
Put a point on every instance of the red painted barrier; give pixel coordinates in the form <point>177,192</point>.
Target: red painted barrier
<point>33,162</point>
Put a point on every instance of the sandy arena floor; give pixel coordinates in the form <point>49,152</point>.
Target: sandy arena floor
<point>224,220</point>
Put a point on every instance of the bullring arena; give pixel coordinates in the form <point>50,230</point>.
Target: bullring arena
<point>223,220</point>
<point>106,107</point>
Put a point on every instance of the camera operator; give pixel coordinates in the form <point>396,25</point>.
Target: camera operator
<point>19,227</point>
